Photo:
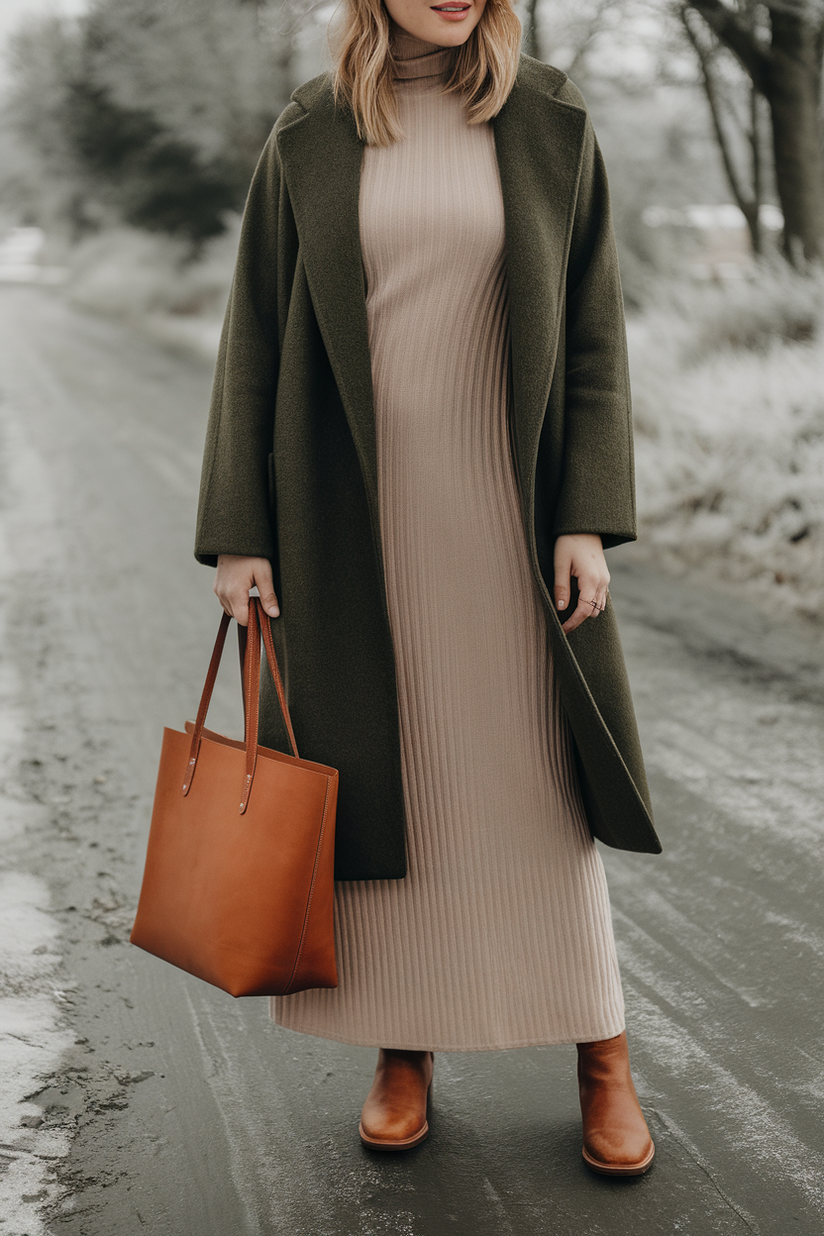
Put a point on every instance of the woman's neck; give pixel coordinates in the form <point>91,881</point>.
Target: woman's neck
<point>415,59</point>
<point>406,46</point>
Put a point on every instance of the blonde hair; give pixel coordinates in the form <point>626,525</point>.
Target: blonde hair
<point>483,68</point>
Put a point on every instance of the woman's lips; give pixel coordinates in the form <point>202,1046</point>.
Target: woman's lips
<point>452,12</point>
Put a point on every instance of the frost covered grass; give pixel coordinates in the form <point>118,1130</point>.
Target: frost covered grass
<point>728,387</point>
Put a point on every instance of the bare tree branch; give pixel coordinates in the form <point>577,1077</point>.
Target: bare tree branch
<point>748,201</point>
<point>751,51</point>
<point>530,36</point>
<point>711,91</point>
<point>757,170</point>
<point>591,31</point>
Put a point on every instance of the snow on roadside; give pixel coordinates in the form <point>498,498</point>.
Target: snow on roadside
<point>33,1035</point>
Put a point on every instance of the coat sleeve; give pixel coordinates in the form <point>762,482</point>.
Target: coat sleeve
<point>235,513</point>
<point>598,488</point>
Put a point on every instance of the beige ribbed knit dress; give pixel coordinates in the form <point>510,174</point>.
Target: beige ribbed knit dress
<point>500,935</point>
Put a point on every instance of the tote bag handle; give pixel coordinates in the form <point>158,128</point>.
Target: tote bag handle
<point>258,624</point>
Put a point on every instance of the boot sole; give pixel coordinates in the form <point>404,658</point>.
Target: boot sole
<point>622,1169</point>
<point>406,1144</point>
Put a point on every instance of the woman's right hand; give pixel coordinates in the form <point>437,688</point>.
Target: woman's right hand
<point>234,577</point>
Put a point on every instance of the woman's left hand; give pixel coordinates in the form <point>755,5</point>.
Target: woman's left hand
<point>581,555</point>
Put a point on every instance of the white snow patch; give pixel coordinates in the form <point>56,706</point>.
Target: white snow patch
<point>32,1036</point>
<point>26,929</point>
<point>31,1043</point>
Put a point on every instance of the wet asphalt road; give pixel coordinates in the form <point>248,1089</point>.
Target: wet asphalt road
<point>190,1114</point>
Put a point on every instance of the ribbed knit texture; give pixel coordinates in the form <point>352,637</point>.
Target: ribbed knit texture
<point>500,936</point>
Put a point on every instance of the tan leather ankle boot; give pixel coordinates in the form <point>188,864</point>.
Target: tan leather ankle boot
<point>616,1137</point>
<point>394,1114</point>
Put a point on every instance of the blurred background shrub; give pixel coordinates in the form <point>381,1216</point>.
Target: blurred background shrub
<point>143,112</point>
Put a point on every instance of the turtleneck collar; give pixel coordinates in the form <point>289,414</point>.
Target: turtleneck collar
<point>414,58</point>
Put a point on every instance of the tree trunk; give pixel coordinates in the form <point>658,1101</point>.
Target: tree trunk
<point>756,230</point>
<point>792,93</point>
<point>787,71</point>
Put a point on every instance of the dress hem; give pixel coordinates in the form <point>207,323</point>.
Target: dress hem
<point>406,1045</point>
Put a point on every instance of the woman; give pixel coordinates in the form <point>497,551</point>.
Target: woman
<point>420,441</point>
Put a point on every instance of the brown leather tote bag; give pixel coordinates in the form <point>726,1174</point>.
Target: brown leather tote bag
<point>238,886</point>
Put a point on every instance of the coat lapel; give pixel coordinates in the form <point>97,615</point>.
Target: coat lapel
<point>321,155</point>
<point>538,142</point>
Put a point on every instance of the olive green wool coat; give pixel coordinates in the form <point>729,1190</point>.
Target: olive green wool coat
<point>290,469</point>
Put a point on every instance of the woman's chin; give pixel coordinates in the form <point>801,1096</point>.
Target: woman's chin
<point>446,32</point>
